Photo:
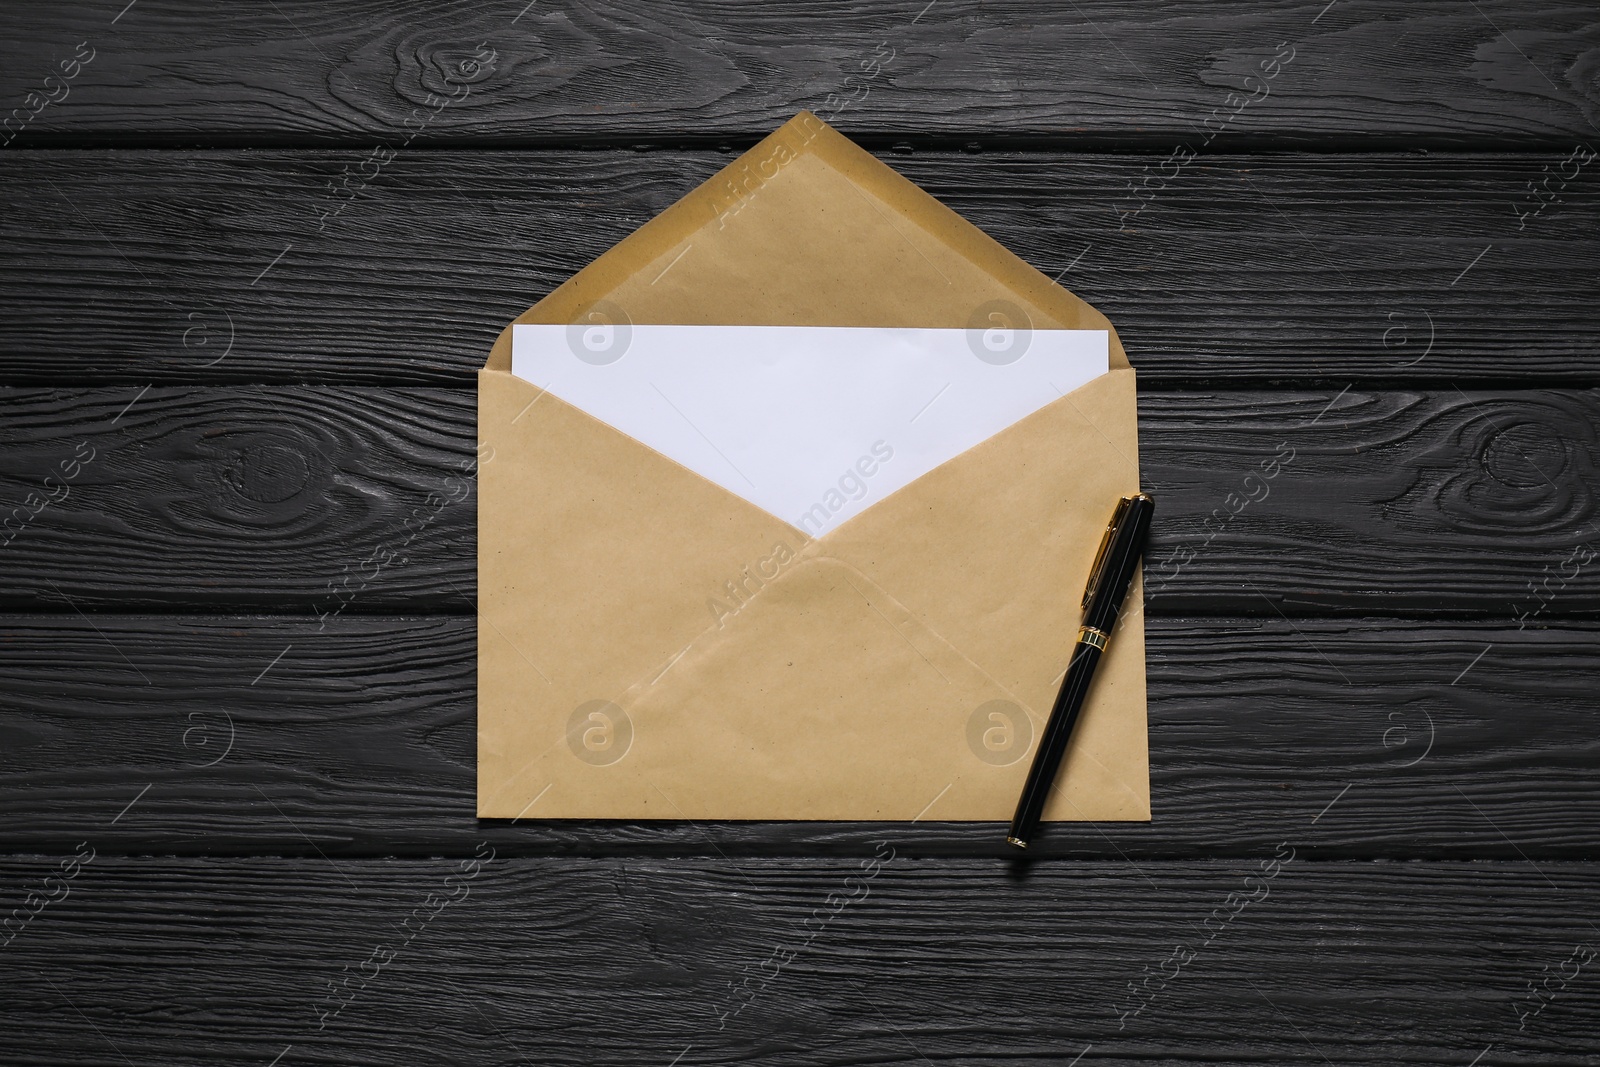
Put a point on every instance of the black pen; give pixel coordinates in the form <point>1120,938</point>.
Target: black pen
<point>1112,572</point>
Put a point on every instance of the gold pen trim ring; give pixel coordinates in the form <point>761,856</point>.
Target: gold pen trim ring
<point>1097,639</point>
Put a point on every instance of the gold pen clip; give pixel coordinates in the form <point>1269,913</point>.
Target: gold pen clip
<point>1105,544</point>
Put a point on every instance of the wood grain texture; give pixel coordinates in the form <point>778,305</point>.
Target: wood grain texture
<point>239,367</point>
<point>139,267</point>
<point>1102,72</point>
<point>247,496</point>
<point>640,961</point>
<point>1371,739</point>
<point>1468,504</point>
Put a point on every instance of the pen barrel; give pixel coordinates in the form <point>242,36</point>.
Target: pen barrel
<point>1053,744</point>
<point>1112,573</point>
<point>1122,558</point>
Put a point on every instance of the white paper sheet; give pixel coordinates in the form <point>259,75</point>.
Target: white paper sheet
<point>814,424</point>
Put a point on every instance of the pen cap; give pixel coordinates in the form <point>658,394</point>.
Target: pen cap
<point>1118,561</point>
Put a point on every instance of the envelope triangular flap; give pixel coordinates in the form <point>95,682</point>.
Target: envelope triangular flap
<point>597,555</point>
<point>808,229</point>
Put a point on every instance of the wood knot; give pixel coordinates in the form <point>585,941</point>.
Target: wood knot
<point>1527,455</point>
<point>264,477</point>
<point>455,69</point>
<point>1522,464</point>
<point>268,471</point>
<point>222,481</point>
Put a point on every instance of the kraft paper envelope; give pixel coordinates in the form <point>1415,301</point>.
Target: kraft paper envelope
<point>898,667</point>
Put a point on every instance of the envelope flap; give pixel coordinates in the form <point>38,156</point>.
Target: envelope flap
<point>808,229</point>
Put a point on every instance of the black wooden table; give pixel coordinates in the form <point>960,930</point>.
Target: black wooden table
<point>254,254</point>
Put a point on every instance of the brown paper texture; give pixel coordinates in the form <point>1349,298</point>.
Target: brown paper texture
<point>653,646</point>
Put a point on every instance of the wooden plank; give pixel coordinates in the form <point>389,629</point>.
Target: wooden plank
<point>1375,738</point>
<point>1465,503</point>
<point>1422,74</point>
<point>804,962</point>
<point>245,496</point>
<point>173,267</point>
